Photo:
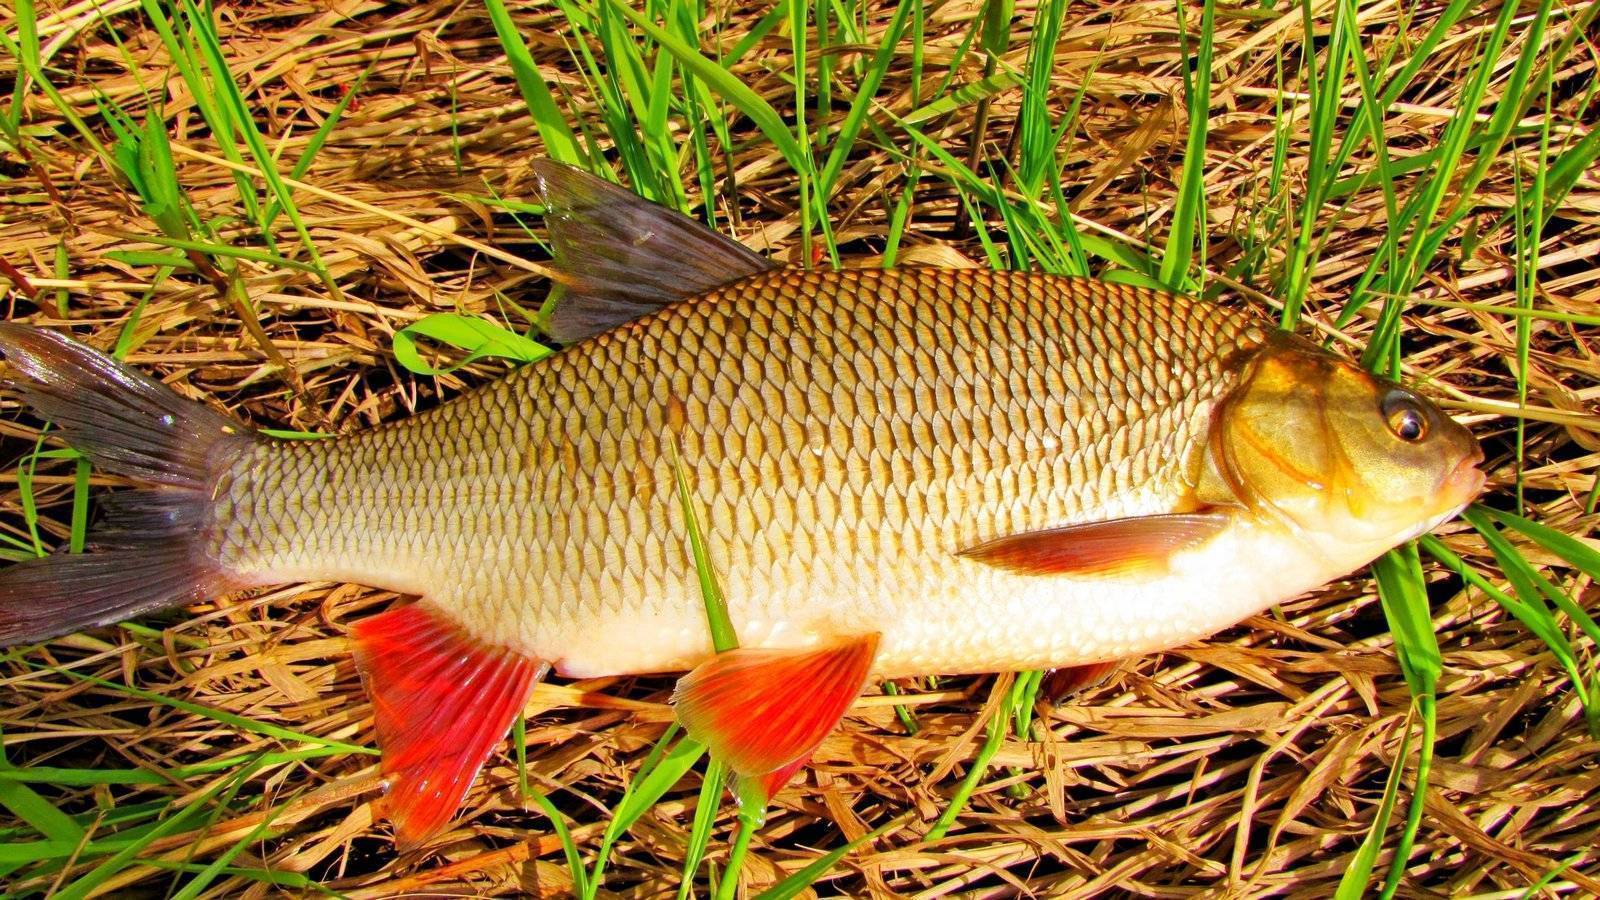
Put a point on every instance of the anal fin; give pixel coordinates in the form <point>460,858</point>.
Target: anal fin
<point>1119,546</point>
<point>764,712</point>
<point>441,700</point>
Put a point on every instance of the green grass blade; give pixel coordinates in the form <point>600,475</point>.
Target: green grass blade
<point>233,99</point>
<point>1326,89</point>
<point>477,337</point>
<point>723,637</point>
<point>32,66</point>
<point>30,504</point>
<point>1417,232</point>
<point>706,808</point>
<point>1404,596</point>
<point>777,15</point>
<point>1188,215</point>
<point>1561,544</point>
<point>1527,604</point>
<point>994,737</point>
<point>1555,872</point>
<point>1037,136</point>
<point>628,103</point>
<point>27,805</point>
<point>963,96</point>
<point>90,882</point>
<point>1533,584</point>
<point>219,866</point>
<point>569,847</point>
<point>213,249</point>
<point>724,83</point>
<point>559,141</point>
<point>78,534</point>
<point>653,781</point>
<point>315,143</point>
<point>643,792</point>
<point>216,715</point>
<point>752,813</point>
<point>850,129</point>
<point>184,53</point>
<point>1358,874</point>
<point>1428,712</point>
<point>63,271</point>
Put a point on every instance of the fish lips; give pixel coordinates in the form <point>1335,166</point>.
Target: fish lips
<point>1462,484</point>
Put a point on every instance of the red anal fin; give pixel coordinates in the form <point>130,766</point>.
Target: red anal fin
<point>441,700</point>
<point>1059,684</point>
<point>1100,548</point>
<point>764,712</point>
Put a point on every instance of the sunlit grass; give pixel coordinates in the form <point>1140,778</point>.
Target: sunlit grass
<point>672,104</point>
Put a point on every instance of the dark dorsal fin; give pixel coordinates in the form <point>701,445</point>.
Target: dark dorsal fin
<point>624,257</point>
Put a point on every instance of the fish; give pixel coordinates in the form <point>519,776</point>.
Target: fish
<point>898,472</point>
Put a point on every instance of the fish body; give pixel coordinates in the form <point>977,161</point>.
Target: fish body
<point>920,471</point>
<point>845,436</point>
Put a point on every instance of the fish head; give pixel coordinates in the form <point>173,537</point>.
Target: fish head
<point>1352,462</point>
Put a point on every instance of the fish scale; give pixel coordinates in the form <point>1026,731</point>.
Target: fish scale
<point>845,434</point>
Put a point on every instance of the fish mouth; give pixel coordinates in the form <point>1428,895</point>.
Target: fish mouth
<point>1463,483</point>
<point>1457,489</point>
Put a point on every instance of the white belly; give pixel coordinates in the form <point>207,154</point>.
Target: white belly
<point>959,615</point>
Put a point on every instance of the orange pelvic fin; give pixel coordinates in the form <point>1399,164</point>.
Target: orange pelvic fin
<point>764,712</point>
<point>442,700</point>
<point>1059,684</point>
<point>1117,547</point>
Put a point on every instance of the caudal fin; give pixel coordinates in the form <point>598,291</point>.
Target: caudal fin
<point>150,552</point>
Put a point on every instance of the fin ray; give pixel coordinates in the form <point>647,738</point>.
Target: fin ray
<point>1101,548</point>
<point>625,257</point>
<point>1059,684</point>
<point>63,593</point>
<point>441,701</point>
<point>149,553</point>
<point>123,420</point>
<point>766,711</point>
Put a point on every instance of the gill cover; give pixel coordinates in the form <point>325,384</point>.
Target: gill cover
<point>1318,443</point>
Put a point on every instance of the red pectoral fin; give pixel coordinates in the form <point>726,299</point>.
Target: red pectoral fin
<point>762,711</point>
<point>1100,548</point>
<point>441,700</point>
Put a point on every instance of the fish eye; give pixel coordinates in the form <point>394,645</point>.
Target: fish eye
<point>1405,417</point>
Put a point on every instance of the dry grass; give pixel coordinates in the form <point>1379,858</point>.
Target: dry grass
<point>1251,764</point>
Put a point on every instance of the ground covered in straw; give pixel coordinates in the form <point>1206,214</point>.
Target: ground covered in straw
<point>1251,764</point>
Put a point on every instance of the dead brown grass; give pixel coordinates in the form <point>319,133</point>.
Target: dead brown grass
<point>1249,765</point>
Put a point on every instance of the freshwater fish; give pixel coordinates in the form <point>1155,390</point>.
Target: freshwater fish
<point>899,472</point>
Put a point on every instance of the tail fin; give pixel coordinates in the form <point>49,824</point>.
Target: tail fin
<point>150,552</point>
<point>625,257</point>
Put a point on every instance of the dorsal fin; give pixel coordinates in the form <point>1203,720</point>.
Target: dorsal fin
<point>625,257</point>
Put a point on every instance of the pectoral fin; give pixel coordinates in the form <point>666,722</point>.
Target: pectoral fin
<point>764,712</point>
<point>1059,684</point>
<point>1116,547</point>
<point>442,700</point>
